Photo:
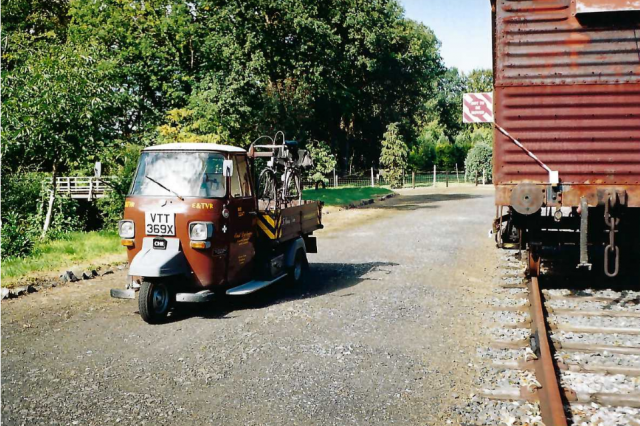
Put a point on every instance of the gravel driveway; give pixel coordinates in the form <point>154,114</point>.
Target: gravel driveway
<point>383,332</point>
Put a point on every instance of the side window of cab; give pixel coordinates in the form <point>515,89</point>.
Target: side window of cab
<point>240,183</point>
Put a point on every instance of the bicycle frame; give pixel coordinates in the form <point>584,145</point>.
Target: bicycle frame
<point>281,163</point>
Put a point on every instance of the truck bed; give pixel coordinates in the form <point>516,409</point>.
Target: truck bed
<point>280,225</point>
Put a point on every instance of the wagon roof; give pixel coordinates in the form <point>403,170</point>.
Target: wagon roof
<point>194,147</point>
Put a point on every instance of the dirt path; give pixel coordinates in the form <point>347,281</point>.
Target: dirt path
<point>382,332</point>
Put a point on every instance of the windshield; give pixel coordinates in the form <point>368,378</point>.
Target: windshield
<point>189,174</point>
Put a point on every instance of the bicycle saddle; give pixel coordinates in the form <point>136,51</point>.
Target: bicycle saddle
<point>291,144</point>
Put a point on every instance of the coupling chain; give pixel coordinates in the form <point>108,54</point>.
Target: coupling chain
<point>611,247</point>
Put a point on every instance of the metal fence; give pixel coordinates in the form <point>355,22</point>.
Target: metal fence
<point>411,179</point>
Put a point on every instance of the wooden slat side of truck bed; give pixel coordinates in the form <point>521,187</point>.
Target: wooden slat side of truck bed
<point>290,222</point>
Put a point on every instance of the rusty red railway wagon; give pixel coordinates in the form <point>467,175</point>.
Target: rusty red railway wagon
<point>567,128</point>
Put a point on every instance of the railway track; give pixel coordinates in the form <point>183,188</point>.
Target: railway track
<point>563,356</point>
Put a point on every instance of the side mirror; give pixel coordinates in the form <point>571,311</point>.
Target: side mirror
<point>227,168</point>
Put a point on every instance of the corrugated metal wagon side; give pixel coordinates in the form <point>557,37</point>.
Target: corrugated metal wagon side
<point>567,87</point>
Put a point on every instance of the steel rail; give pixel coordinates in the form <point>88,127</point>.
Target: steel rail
<point>550,396</point>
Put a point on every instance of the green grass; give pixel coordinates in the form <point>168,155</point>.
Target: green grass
<point>343,196</point>
<point>75,248</point>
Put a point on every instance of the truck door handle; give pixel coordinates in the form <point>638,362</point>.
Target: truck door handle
<point>253,213</point>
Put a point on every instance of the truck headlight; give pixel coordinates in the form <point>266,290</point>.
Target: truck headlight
<point>126,229</point>
<point>200,231</point>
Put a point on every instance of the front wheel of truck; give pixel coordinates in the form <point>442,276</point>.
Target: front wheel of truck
<point>154,301</point>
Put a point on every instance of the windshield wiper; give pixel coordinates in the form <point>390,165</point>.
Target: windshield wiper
<point>164,187</point>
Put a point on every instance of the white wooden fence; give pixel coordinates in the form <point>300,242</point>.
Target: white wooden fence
<point>81,186</point>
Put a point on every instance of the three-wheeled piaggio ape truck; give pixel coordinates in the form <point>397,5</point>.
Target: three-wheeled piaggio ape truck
<point>195,229</point>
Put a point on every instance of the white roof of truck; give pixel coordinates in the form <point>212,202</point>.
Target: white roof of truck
<point>194,147</point>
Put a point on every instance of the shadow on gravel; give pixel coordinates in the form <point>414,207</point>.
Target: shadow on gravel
<point>322,279</point>
<point>425,201</point>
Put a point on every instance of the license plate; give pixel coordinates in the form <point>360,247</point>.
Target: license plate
<point>160,223</point>
<point>159,244</point>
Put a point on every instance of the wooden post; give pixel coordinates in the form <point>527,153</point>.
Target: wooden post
<point>483,178</point>
<point>434,176</point>
<point>372,181</point>
<point>457,173</point>
<point>413,179</point>
<point>446,178</point>
<point>335,178</point>
<point>90,189</point>
<point>476,177</point>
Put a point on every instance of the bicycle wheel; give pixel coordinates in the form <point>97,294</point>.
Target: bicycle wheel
<point>292,187</point>
<point>267,185</point>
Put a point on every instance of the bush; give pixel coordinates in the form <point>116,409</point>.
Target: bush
<point>24,204</point>
<point>446,155</point>
<point>422,156</point>
<point>21,232</point>
<point>433,147</point>
<point>423,152</point>
<point>324,161</point>
<point>480,158</point>
<point>393,158</point>
<point>21,192</point>
<point>66,218</point>
<point>18,235</point>
<point>21,201</point>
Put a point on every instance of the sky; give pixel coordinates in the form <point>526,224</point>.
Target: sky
<point>462,26</point>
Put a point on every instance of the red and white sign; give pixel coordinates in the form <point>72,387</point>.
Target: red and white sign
<point>477,108</point>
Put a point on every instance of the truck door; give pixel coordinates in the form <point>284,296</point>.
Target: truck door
<point>242,216</point>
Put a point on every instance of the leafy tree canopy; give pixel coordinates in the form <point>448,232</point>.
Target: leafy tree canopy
<point>60,104</point>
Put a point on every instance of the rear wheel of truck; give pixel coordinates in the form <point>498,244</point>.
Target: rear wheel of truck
<point>154,301</point>
<point>297,271</point>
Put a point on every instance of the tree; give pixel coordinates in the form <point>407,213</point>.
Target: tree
<point>393,158</point>
<point>120,162</point>
<point>433,147</point>
<point>446,106</point>
<point>59,105</point>
<point>422,155</point>
<point>480,81</point>
<point>482,135</point>
<point>479,160</point>
<point>181,127</point>
<point>157,44</point>
<point>323,161</point>
<point>339,71</point>
<point>26,23</point>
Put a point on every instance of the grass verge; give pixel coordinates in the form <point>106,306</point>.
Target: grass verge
<point>343,196</point>
<point>75,248</point>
